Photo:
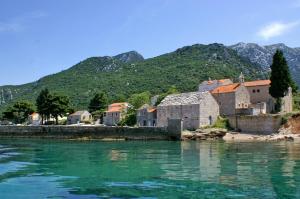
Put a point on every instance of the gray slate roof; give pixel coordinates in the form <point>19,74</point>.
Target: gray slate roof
<point>184,98</point>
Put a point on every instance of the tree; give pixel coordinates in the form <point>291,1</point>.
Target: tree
<point>129,119</point>
<point>49,104</point>
<point>58,106</point>
<point>19,112</point>
<point>280,78</point>
<point>43,103</point>
<point>98,103</point>
<point>138,100</point>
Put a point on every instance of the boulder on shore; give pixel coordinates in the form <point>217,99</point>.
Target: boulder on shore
<point>204,134</point>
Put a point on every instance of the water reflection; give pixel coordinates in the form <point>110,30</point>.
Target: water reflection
<point>150,169</point>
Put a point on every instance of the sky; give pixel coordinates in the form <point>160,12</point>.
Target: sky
<point>42,37</point>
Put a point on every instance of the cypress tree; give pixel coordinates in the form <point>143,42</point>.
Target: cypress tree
<point>280,78</point>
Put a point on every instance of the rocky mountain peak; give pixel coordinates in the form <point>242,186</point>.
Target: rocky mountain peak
<point>262,55</point>
<point>129,57</point>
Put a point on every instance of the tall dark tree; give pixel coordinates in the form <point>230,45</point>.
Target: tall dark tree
<point>98,105</point>
<point>98,102</point>
<point>58,106</point>
<point>19,112</point>
<point>280,78</point>
<point>43,103</point>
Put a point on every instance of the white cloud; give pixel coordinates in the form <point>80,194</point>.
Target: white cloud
<point>276,29</point>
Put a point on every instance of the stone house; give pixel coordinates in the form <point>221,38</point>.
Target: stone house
<point>146,116</point>
<point>259,92</point>
<point>115,113</point>
<point>195,109</point>
<point>231,98</point>
<point>34,119</point>
<point>212,84</point>
<point>79,117</point>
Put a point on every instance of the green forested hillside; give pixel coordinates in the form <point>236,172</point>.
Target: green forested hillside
<point>120,76</point>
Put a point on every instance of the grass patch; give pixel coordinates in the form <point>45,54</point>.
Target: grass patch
<point>222,123</point>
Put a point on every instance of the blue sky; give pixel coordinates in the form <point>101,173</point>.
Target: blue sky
<point>41,37</point>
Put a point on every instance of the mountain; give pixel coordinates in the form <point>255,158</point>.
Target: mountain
<point>130,57</point>
<point>122,75</point>
<point>262,55</point>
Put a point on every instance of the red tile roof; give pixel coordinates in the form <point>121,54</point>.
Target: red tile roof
<point>258,83</point>
<point>116,107</point>
<point>151,110</point>
<point>226,88</point>
<point>232,87</point>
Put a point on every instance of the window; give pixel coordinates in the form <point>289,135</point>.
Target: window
<point>257,90</point>
<point>253,91</point>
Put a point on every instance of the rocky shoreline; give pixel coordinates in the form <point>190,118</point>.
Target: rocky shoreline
<point>223,134</point>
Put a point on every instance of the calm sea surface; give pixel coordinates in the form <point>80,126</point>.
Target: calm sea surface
<point>156,169</point>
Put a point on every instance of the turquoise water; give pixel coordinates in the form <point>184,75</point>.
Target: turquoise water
<point>74,169</point>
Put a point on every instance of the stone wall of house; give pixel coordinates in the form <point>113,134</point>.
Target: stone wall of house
<point>259,94</point>
<point>92,132</point>
<point>260,124</point>
<point>287,102</point>
<point>226,103</point>
<point>143,116</point>
<point>189,114</point>
<point>209,111</point>
<point>193,116</point>
<point>112,118</point>
<point>242,97</point>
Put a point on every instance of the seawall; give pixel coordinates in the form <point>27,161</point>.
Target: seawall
<point>92,132</point>
<point>257,124</point>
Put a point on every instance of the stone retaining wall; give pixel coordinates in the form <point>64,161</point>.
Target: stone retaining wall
<point>259,124</point>
<point>91,132</point>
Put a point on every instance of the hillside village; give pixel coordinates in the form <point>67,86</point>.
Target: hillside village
<point>197,109</point>
<point>214,99</point>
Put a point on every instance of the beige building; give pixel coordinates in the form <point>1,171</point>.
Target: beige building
<point>80,117</point>
<point>146,116</point>
<point>249,98</point>
<point>115,113</point>
<point>259,92</point>
<point>231,98</point>
<point>195,109</point>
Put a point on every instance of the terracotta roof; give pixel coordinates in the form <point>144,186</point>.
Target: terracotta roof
<point>258,83</point>
<point>223,80</point>
<point>119,104</point>
<point>116,107</point>
<point>226,88</point>
<point>151,110</point>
